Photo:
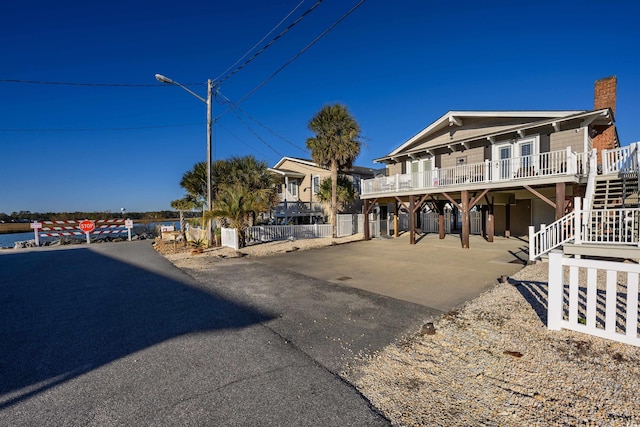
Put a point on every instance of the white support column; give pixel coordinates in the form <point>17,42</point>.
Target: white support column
<point>487,170</point>
<point>577,221</point>
<point>570,162</point>
<point>605,162</point>
<point>532,245</point>
<point>397,178</point>
<point>555,292</point>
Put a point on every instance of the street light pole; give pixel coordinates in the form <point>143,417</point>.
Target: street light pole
<point>207,101</point>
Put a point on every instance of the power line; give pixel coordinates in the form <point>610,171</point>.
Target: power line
<point>241,141</point>
<point>260,41</point>
<point>255,55</point>
<point>40,82</point>
<point>231,104</point>
<point>293,58</point>
<point>98,129</point>
<point>256,135</point>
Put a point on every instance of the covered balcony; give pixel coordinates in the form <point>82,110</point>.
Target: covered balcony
<point>543,166</point>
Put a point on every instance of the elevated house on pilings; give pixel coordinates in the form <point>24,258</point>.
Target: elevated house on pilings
<point>517,168</point>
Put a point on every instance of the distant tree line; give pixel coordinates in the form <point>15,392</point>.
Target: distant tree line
<point>28,216</point>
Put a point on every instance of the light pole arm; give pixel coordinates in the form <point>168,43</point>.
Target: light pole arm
<point>163,79</point>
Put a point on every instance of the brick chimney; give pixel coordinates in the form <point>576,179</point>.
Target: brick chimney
<point>604,96</point>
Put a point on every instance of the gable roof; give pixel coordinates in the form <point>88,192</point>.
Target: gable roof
<point>354,169</point>
<point>489,125</point>
<point>307,162</point>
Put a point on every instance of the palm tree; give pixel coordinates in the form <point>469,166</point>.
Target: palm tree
<point>194,181</point>
<point>237,204</point>
<point>346,192</point>
<point>187,203</point>
<point>336,145</point>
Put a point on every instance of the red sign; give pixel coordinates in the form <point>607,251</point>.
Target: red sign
<point>87,226</point>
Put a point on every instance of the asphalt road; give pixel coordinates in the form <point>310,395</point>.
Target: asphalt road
<point>114,334</point>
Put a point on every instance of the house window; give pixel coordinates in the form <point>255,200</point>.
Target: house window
<point>315,184</point>
<point>292,188</point>
<point>355,180</point>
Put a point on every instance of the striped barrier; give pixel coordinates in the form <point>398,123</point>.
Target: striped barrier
<point>63,228</point>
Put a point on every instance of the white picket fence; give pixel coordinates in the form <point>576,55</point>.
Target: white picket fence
<point>346,225</point>
<point>269,233</point>
<point>229,238</point>
<point>601,298</point>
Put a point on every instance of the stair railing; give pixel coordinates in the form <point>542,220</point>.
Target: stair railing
<point>589,192</point>
<point>555,234</point>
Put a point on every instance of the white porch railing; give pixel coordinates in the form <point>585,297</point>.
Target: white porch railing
<point>268,233</point>
<point>617,226</point>
<point>563,162</point>
<point>601,298</point>
<point>622,159</point>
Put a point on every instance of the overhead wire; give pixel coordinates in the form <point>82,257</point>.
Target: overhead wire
<point>293,58</point>
<point>98,129</point>
<point>258,53</point>
<point>241,141</point>
<point>229,102</point>
<point>40,82</point>
<point>260,41</point>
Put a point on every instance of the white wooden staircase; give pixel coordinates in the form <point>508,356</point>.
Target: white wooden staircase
<point>608,215</point>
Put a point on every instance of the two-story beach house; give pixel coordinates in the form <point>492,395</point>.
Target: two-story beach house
<point>299,186</point>
<point>513,168</point>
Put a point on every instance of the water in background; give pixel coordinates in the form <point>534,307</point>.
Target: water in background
<point>8,240</point>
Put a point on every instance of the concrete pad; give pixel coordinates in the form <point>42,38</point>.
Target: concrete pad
<point>434,273</point>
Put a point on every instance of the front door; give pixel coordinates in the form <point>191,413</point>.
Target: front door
<point>504,153</point>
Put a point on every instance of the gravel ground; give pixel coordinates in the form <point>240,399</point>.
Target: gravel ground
<point>494,363</point>
<point>491,363</point>
<point>180,253</point>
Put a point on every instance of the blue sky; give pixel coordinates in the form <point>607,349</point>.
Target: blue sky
<point>398,66</point>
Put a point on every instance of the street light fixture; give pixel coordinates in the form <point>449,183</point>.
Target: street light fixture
<point>207,101</point>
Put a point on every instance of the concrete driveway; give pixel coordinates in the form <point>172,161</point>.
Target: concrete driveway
<point>434,273</point>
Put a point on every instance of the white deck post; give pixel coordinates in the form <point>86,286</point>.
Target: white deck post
<point>577,221</point>
<point>397,182</point>
<point>569,161</point>
<point>556,289</point>
<point>532,245</point>
<point>487,170</point>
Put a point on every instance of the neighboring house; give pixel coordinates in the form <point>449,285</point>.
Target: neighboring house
<point>518,168</point>
<point>300,182</point>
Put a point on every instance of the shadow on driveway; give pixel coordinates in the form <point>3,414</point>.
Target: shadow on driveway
<point>66,312</point>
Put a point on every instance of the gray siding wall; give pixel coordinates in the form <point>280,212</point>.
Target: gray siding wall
<point>394,169</point>
<point>473,155</point>
<point>573,138</point>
